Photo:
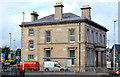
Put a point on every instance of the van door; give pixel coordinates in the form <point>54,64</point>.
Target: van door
<point>56,67</point>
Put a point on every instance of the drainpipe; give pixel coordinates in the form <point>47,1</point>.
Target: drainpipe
<point>79,47</point>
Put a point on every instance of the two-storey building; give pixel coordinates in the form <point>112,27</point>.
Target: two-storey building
<point>65,35</point>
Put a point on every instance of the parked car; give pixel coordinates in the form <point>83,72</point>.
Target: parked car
<point>53,66</point>
<point>117,72</point>
<point>30,65</point>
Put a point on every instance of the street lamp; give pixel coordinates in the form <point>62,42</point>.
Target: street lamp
<point>14,50</point>
<point>23,38</point>
<point>10,43</point>
<point>14,45</point>
<point>114,45</point>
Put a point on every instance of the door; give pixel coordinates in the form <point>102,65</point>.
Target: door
<point>96,58</point>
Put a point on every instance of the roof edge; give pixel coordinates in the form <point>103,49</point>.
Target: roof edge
<point>84,19</point>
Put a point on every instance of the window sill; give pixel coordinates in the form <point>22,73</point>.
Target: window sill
<point>31,49</point>
<point>48,42</point>
<point>31,59</point>
<point>31,34</point>
<point>73,65</point>
<point>72,41</point>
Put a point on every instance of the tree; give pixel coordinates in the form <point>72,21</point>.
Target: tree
<point>0,50</point>
<point>18,52</point>
<point>6,51</point>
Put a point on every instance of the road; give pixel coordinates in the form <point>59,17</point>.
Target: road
<point>67,75</point>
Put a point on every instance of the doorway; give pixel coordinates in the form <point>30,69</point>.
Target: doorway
<point>96,58</point>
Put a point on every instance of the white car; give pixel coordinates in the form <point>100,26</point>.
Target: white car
<point>53,66</point>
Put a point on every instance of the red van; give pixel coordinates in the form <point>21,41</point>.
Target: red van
<point>30,65</point>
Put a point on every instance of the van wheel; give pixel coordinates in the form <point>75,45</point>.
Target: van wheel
<point>46,70</point>
<point>32,69</point>
<point>61,69</point>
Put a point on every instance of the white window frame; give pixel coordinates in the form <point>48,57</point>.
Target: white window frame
<point>30,57</point>
<point>31,44</point>
<point>74,56</point>
<point>46,54</point>
<point>31,31</point>
<point>71,35</point>
<point>48,37</point>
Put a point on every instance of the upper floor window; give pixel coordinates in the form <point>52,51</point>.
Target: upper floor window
<point>31,44</point>
<point>96,38</point>
<point>87,35</point>
<point>71,35</point>
<point>30,57</point>
<point>104,39</point>
<point>92,36</point>
<point>48,36</point>
<point>31,31</point>
<point>100,38</point>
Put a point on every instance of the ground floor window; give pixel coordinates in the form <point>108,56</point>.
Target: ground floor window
<point>119,56</point>
<point>72,54</point>
<point>47,54</point>
<point>30,57</point>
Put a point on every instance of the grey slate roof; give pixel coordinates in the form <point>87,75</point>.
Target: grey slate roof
<point>117,47</point>
<point>66,17</point>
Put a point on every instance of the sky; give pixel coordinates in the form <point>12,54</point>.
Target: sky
<point>104,12</point>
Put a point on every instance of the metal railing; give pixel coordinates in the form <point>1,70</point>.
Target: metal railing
<point>18,72</point>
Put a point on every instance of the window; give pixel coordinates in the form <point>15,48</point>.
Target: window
<point>96,38</point>
<point>88,34</point>
<point>71,35</point>
<point>119,56</point>
<point>47,54</point>
<point>30,57</point>
<point>104,39</point>
<point>100,38</point>
<point>31,44</point>
<point>92,37</point>
<point>72,54</point>
<point>48,36</point>
<point>31,31</point>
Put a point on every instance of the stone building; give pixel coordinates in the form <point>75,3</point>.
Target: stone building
<point>117,55</point>
<point>65,35</point>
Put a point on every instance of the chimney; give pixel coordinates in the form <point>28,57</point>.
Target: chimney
<point>34,16</point>
<point>58,10</point>
<point>86,11</point>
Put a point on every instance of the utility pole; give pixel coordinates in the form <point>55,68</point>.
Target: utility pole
<point>14,45</point>
<point>10,43</point>
<point>14,50</point>
<point>79,47</point>
<point>108,44</point>
<point>23,39</point>
<point>114,46</point>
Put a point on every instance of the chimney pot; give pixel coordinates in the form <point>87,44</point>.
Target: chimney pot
<point>34,16</point>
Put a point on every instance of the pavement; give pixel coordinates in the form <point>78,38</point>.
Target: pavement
<point>62,73</point>
<point>67,75</point>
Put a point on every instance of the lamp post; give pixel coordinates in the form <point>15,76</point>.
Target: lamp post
<point>108,44</point>
<point>10,43</point>
<point>14,50</point>
<point>14,45</point>
<point>23,38</point>
<point>114,46</point>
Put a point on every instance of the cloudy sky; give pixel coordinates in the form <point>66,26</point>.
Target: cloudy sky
<point>103,12</point>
